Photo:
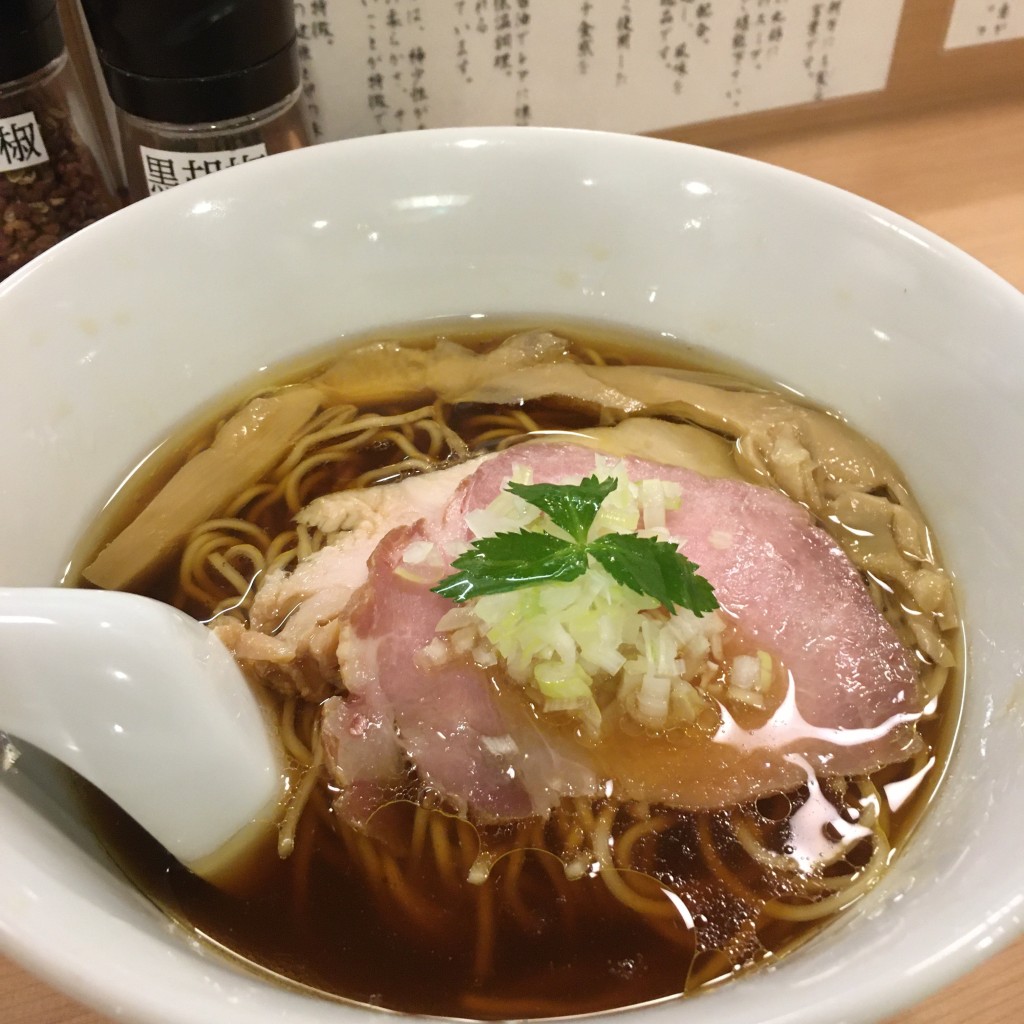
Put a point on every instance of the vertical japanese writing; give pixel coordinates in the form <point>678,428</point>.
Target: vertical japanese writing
<point>741,33</point>
<point>758,34</point>
<point>461,28</point>
<point>486,45</point>
<point>504,50</point>
<point>511,51</point>
<point>812,60</point>
<point>585,37</point>
<point>776,27</point>
<point>396,80</point>
<point>522,21</point>
<point>393,68</point>
<point>313,28</point>
<point>821,34</point>
<point>483,25</point>
<point>675,36</point>
<point>492,38</point>
<point>376,99</point>
<point>623,39</point>
<point>758,37</point>
<point>466,29</point>
<point>701,14</point>
<point>417,58</point>
<point>769,31</point>
<point>666,25</point>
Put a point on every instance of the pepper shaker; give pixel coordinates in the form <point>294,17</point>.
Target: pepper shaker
<point>52,179</point>
<point>198,85</point>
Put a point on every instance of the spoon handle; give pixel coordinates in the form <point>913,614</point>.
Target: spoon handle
<point>146,704</point>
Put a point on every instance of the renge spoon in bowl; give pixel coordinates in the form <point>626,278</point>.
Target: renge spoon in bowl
<point>149,706</point>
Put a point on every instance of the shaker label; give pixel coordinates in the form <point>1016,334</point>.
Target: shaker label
<point>165,168</point>
<point>21,144</point>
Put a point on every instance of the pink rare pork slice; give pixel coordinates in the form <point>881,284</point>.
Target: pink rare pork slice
<point>356,625</point>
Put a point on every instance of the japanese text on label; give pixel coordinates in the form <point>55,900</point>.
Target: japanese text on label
<point>164,168</point>
<point>21,145</point>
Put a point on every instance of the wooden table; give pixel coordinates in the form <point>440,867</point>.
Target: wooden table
<point>959,173</point>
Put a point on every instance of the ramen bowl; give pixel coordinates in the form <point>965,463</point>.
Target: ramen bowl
<point>116,336</point>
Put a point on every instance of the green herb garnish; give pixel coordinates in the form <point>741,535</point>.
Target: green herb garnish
<point>526,558</point>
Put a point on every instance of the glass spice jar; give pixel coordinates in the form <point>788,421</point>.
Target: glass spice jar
<point>52,181</point>
<point>198,85</point>
<point>164,154</point>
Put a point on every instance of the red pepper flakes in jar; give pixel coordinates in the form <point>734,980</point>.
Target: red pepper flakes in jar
<point>51,181</point>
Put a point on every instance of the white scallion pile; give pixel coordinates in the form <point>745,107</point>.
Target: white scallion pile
<point>582,645</point>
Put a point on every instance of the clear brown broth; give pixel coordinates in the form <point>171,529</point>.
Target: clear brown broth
<point>319,918</point>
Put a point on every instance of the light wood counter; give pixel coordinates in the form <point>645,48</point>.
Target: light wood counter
<point>960,173</point>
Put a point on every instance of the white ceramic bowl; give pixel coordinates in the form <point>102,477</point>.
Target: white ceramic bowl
<point>114,336</point>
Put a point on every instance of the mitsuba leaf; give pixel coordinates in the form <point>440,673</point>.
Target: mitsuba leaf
<point>572,507</point>
<point>654,568</point>
<point>510,561</point>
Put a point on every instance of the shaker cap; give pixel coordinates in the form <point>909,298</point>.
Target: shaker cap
<point>195,61</point>
<point>30,37</point>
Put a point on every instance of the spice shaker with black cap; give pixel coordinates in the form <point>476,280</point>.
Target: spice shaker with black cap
<point>198,85</point>
<point>53,180</point>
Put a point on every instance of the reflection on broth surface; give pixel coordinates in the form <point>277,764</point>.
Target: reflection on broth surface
<point>563,796</point>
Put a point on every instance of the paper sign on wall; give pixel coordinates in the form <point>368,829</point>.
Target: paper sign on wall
<point>984,21</point>
<point>372,66</point>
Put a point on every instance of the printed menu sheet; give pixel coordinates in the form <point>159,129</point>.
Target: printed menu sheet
<point>373,66</point>
<point>984,21</point>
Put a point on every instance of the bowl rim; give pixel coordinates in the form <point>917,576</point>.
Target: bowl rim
<point>29,948</point>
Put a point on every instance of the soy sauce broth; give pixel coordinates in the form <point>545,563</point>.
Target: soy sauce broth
<point>392,922</point>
